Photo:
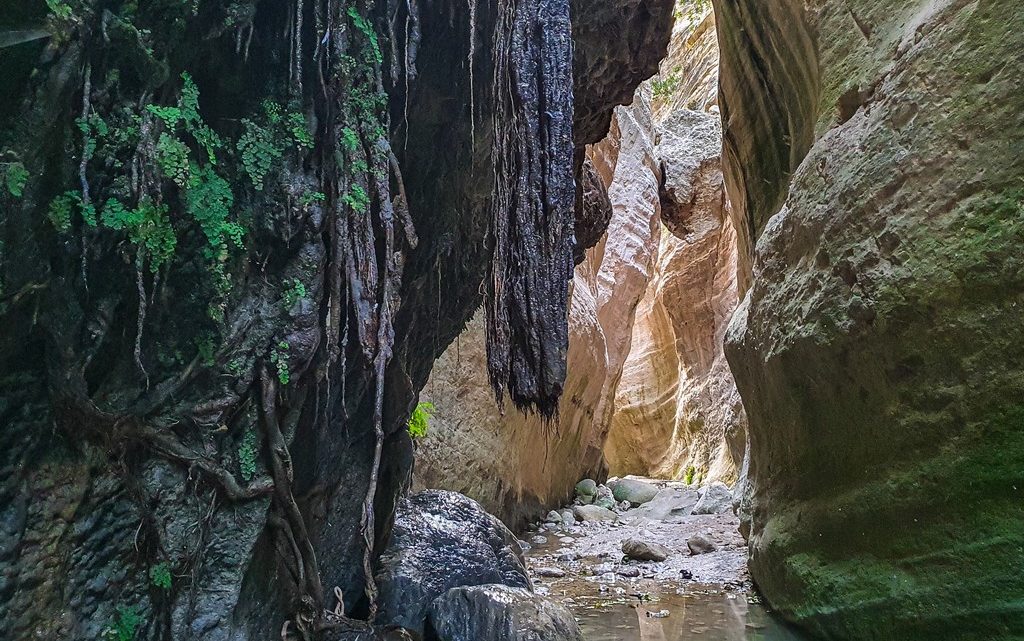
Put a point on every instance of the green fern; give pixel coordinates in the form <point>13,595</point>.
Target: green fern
<point>419,422</point>
<point>160,575</point>
<point>247,452</point>
<point>17,178</point>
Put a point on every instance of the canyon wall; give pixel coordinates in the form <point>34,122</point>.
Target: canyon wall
<point>519,466</point>
<point>234,236</point>
<point>874,148</point>
<point>677,412</point>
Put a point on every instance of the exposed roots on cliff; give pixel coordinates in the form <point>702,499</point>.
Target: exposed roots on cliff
<point>532,212</point>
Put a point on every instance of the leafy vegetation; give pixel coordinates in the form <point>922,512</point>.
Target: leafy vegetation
<point>126,622</point>
<point>357,199</point>
<point>293,293</point>
<point>664,87</point>
<point>690,472</point>
<point>248,450</point>
<point>160,576</point>
<point>419,422</point>
<point>16,177</point>
<point>279,359</point>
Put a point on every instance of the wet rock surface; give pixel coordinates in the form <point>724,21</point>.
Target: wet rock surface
<point>500,613</point>
<point>442,540</point>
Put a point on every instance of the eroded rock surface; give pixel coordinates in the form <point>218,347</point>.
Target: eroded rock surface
<point>880,350</point>
<point>677,410</point>
<point>519,466</point>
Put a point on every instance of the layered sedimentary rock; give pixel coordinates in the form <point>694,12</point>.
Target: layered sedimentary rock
<point>677,412</point>
<point>875,146</point>
<point>516,465</point>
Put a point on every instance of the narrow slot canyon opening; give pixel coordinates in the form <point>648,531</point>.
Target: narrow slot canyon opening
<point>650,434</point>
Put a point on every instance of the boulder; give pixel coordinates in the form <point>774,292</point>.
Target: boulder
<point>442,540</point>
<point>593,513</point>
<point>716,499</point>
<point>635,491</point>
<point>640,550</point>
<point>553,517</point>
<point>669,502</point>
<point>568,518</point>
<point>604,498</point>
<point>700,544</point>
<point>500,613</point>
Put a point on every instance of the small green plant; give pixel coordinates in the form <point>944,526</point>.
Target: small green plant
<point>367,30</point>
<point>690,472</point>
<point>357,199</point>
<point>279,358</point>
<point>293,293</point>
<point>311,198</point>
<point>420,420</point>
<point>160,576</point>
<point>126,622</point>
<point>350,139</point>
<point>299,130</point>
<point>247,452</point>
<point>59,9</point>
<point>207,349</point>
<point>16,179</point>
<point>664,87</point>
<point>148,226</point>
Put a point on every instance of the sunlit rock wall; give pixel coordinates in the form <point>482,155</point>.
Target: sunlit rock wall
<point>518,466</point>
<point>678,414</point>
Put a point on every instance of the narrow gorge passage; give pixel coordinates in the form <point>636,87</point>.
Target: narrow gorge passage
<point>511,320</point>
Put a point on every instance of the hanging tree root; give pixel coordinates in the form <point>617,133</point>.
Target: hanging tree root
<point>532,210</point>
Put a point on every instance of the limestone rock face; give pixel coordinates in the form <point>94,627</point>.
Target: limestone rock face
<point>677,409</point>
<point>880,350</point>
<point>517,466</point>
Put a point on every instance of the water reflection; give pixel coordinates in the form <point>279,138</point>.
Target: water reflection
<point>692,614</point>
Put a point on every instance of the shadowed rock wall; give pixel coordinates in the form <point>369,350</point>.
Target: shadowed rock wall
<point>875,148</point>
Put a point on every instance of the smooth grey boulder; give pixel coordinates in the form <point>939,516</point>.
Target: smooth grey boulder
<point>442,540</point>
<point>634,491</point>
<point>640,550</point>
<point>716,499</point>
<point>699,544</point>
<point>593,513</point>
<point>669,503</point>
<point>500,613</point>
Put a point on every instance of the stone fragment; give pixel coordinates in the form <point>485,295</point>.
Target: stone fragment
<point>634,491</point>
<point>700,544</point>
<point>604,498</point>
<point>550,572</point>
<point>641,550</point>
<point>441,540</point>
<point>591,513</point>
<point>716,499</point>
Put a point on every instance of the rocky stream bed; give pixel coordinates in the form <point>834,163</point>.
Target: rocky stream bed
<point>603,565</point>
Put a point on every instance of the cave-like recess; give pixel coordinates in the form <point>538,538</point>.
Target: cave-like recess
<point>234,235</point>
